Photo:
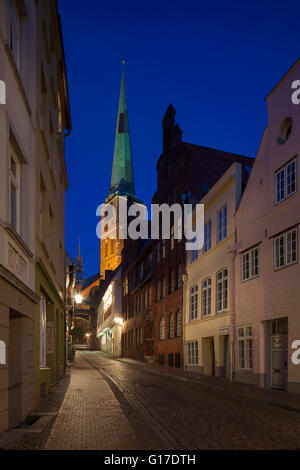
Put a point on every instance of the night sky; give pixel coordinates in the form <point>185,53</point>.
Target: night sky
<point>215,61</point>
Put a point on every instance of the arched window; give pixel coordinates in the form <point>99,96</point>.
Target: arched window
<point>162,328</point>
<point>171,326</point>
<point>178,323</point>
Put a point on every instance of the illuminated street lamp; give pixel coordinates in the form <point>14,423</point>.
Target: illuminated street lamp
<point>78,298</point>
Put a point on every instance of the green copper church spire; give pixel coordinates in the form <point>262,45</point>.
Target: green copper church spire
<point>122,182</point>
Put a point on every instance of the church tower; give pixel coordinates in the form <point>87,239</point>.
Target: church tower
<point>79,266</point>
<point>122,184</point>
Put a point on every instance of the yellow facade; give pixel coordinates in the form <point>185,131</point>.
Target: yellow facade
<point>207,287</point>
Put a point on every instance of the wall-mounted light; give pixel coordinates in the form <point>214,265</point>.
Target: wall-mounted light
<point>118,321</point>
<point>78,298</point>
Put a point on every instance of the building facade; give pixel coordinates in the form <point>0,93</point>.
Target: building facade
<point>185,173</point>
<point>32,124</point>
<point>208,288</point>
<point>138,330</point>
<point>17,225</point>
<point>52,119</point>
<point>266,316</point>
<point>109,314</point>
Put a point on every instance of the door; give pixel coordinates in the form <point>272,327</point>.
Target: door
<point>279,361</point>
<point>15,369</point>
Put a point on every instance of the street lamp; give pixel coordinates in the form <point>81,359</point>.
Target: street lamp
<point>78,298</point>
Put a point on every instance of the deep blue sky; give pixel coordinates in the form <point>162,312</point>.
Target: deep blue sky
<point>215,61</point>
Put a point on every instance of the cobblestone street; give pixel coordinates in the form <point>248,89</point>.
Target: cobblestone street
<point>122,405</point>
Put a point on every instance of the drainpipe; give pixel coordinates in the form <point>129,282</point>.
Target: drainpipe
<point>232,333</point>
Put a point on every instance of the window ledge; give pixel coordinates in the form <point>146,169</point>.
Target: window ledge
<point>18,240</point>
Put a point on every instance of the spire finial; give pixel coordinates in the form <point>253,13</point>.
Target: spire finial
<point>78,246</point>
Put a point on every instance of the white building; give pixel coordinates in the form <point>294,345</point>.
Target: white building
<point>109,314</point>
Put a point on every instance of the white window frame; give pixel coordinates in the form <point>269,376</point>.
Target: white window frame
<point>284,237</point>
<point>223,282</point>
<point>193,352</point>
<point>222,224</point>
<point>248,259</point>
<point>244,337</point>
<point>43,326</point>
<point>206,297</point>
<point>193,302</point>
<point>15,182</point>
<point>283,172</point>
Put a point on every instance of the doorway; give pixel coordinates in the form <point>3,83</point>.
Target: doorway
<point>279,354</point>
<point>209,356</point>
<point>15,368</point>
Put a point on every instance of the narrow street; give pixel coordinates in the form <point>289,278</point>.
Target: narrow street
<point>114,405</point>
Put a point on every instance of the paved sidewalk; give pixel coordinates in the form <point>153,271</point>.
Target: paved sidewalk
<point>90,416</point>
<point>21,438</point>
<point>285,400</point>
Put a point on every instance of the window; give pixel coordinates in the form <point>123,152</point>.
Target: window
<point>285,249</point>
<point>158,252</point>
<point>222,224</point>
<point>162,329</point>
<point>43,332</point>
<point>150,296</point>
<point>171,326</point>
<point>178,323</point>
<point>207,237</point>
<point>163,248</point>
<point>194,252</point>
<point>158,290</point>
<point>146,298</point>
<point>250,264</point>
<point>126,285</point>
<point>285,181</point>
<point>163,286</point>
<point>14,177</point>
<point>285,130</point>
<point>193,352</point>
<point>245,346</point>
<point>172,238</point>
<point>15,32</point>
<point>179,276</point>
<point>206,297</point>
<point>193,302</point>
<point>172,280</point>
<point>222,290</point>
